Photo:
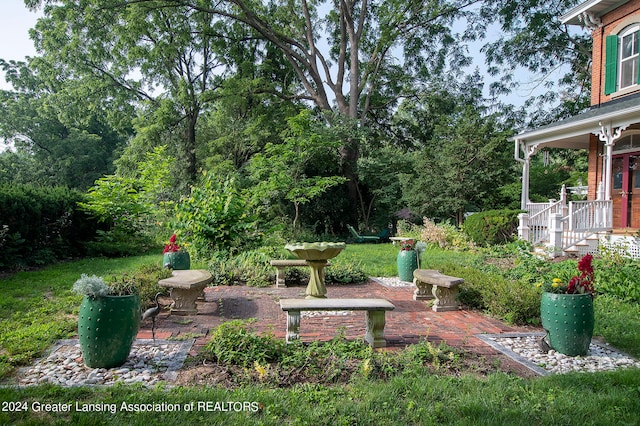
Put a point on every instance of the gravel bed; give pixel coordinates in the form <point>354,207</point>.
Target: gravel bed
<point>392,282</point>
<point>525,348</point>
<point>148,364</point>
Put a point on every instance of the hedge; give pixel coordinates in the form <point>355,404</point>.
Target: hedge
<point>39,225</point>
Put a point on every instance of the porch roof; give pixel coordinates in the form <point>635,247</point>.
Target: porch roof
<point>574,132</point>
<point>596,8</point>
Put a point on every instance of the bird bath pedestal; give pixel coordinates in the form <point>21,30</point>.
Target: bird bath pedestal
<point>316,255</point>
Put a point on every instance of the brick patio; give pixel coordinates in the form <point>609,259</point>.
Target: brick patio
<point>409,322</point>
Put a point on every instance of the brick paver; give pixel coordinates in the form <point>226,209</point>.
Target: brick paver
<point>409,322</point>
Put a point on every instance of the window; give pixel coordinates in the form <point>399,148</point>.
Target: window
<point>629,57</point>
<point>622,60</point>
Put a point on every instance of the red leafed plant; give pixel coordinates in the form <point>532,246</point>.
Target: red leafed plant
<point>407,245</point>
<point>172,247</point>
<point>583,283</point>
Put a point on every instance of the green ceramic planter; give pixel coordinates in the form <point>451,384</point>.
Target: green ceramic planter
<point>569,321</point>
<point>177,260</point>
<point>107,328</point>
<point>407,263</point>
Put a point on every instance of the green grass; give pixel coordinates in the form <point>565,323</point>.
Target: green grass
<point>572,399</point>
<point>38,307</point>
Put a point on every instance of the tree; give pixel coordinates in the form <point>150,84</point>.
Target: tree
<point>145,52</point>
<point>464,162</point>
<point>66,144</point>
<point>283,169</point>
<point>536,40</point>
<point>378,51</point>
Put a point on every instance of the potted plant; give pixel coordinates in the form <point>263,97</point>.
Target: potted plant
<point>566,311</point>
<point>407,260</point>
<point>108,321</point>
<point>174,257</point>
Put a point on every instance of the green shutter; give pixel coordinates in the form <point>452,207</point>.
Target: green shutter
<point>611,65</point>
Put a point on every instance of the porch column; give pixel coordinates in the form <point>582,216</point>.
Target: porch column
<point>528,152</point>
<point>608,135</point>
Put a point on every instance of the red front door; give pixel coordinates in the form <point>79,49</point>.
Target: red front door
<point>626,190</point>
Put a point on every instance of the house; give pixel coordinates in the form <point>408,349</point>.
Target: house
<point>609,131</point>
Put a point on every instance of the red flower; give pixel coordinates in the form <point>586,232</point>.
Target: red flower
<point>172,246</point>
<point>583,283</point>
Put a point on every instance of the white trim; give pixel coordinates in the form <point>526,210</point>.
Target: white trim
<point>581,127</point>
<point>628,31</point>
<point>595,7</point>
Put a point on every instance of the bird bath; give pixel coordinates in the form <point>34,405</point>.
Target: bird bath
<point>316,255</point>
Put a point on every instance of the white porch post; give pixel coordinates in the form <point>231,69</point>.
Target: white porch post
<point>528,152</point>
<point>608,135</point>
<point>555,233</point>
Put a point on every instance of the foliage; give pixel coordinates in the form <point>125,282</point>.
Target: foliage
<point>617,276</point>
<point>289,169</point>
<point>41,225</point>
<point>345,273</point>
<point>531,33</point>
<point>143,281</point>
<point>214,217</point>
<point>513,301</point>
<point>233,343</point>
<point>248,267</point>
<point>492,227</point>
<point>92,286</point>
<point>127,203</point>
<point>578,284</point>
<point>59,135</point>
<point>463,162</point>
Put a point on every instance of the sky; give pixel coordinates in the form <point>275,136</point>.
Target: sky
<point>15,22</point>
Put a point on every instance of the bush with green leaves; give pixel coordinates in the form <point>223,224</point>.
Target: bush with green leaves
<point>41,225</point>
<point>249,267</point>
<point>617,276</point>
<point>492,227</point>
<point>142,281</point>
<point>215,217</point>
<point>233,342</point>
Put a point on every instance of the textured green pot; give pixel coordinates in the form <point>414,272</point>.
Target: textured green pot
<point>407,263</point>
<point>178,260</point>
<point>569,320</point>
<point>107,327</point>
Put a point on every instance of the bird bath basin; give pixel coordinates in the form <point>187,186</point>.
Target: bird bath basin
<point>316,255</point>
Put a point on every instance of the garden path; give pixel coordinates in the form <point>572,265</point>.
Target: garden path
<point>407,324</point>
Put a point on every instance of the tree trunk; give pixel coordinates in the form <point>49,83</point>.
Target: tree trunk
<point>190,147</point>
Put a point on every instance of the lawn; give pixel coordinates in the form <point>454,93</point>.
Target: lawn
<point>38,307</point>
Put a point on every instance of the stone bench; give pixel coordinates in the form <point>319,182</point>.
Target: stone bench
<point>431,284</point>
<point>184,288</point>
<point>374,315</point>
<point>281,264</point>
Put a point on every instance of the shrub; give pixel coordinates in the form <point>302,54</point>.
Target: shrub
<point>143,281</point>
<point>213,218</point>
<point>618,276</point>
<point>234,343</point>
<point>492,227</point>
<point>514,301</point>
<point>250,267</point>
<point>41,225</point>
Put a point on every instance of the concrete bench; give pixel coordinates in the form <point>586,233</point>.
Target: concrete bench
<point>431,284</point>
<point>281,264</point>
<point>374,315</point>
<point>184,288</point>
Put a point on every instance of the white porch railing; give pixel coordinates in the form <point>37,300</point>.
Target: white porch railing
<point>538,219</point>
<point>592,216</point>
<point>562,228</point>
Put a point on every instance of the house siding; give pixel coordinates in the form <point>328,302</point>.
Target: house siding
<point>625,14</point>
